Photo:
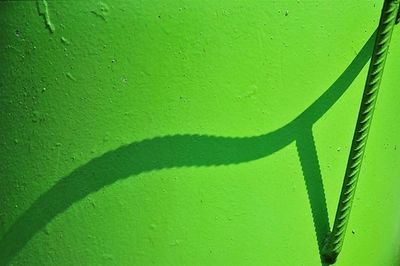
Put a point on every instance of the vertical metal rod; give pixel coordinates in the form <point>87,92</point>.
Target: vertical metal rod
<point>334,241</point>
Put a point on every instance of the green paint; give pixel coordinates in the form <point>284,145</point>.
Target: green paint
<point>192,133</point>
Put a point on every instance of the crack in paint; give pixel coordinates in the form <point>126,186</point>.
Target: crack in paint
<point>102,11</point>
<point>43,10</point>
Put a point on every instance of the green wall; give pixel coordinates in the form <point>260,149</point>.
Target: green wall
<point>192,132</point>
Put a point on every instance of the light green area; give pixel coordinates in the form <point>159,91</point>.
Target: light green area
<point>114,73</point>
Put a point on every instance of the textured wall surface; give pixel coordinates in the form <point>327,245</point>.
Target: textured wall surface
<point>192,132</point>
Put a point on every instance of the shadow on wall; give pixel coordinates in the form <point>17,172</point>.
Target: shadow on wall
<point>186,151</point>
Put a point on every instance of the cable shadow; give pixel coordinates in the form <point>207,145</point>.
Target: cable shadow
<point>307,152</point>
<point>188,151</point>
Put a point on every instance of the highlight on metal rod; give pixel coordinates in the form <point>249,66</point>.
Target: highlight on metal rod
<point>334,241</point>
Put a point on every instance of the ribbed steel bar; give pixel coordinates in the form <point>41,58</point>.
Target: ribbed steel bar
<point>334,241</point>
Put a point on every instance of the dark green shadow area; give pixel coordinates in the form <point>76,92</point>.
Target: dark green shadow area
<point>315,188</point>
<point>189,151</point>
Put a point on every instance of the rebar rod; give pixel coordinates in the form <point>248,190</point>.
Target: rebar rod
<point>335,239</point>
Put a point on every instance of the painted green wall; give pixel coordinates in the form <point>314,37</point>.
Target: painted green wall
<point>191,133</point>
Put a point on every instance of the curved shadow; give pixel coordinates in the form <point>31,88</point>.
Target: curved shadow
<point>188,150</point>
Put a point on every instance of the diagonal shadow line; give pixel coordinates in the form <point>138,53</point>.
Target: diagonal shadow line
<point>168,152</point>
<point>307,152</point>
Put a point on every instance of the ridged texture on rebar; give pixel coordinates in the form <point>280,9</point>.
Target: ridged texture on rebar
<point>335,240</point>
